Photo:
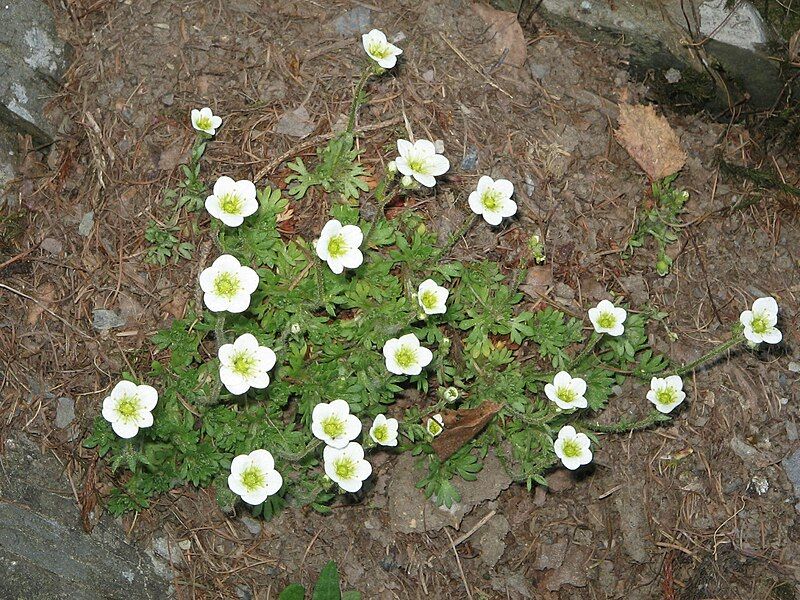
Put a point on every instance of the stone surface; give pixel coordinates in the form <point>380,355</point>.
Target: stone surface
<point>44,553</point>
<point>296,123</point>
<point>86,224</point>
<point>490,540</point>
<point>791,465</point>
<point>354,21</point>
<point>740,25</point>
<point>65,412</point>
<point>103,320</point>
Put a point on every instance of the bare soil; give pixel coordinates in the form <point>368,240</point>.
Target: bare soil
<point>678,512</point>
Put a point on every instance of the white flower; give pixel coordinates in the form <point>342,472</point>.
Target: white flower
<point>435,425</point>
<point>450,394</point>
<point>205,121</point>
<point>128,408</point>
<point>338,246</point>
<point>244,364</point>
<point>607,318</point>
<point>432,297</point>
<point>379,49</point>
<point>232,201</point>
<point>759,323</point>
<point>492,200</point>
<point>346,466</point>
<point>333,424</point>
<point>567,391</point>
<point>666,393</point>
<point>384,431</point>
<point>253,477</point>
<point>404,355</point>
<point>572,448</point>
<point>420,161</point>
<point>227,285</point>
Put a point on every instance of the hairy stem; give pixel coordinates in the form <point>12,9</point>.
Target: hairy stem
<point>445,250</point>
<point>383,195</point>
<point>593,340</point>
<point>711,354</point>
<point>351,121</point>
<point>625,425</point>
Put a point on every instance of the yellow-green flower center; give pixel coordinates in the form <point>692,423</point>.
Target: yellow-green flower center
<point>571,449</point>
<point>606,320</point>
<point>204,122</point>
<point>429,299</point>
<point>379,50</point>
<point>666,396</point>
<point>226,285</point>
<point>566,394</point>
<point>416,164</point>
<point>381,433</point>
<point>333,426</point>
<point>231,204</point>
<point>760,324</point>
<point>337,246</point>
<point>253,478</point>
<point>128,408</point>
<point>243,363</point>
<point>405,357</point>
<point>345,468</point>
<point>434,428</point>
<point>491,200</point>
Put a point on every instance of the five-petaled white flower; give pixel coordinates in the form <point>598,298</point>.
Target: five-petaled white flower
<point>567,391</point>
<point>346,466</point>
<point>432,297</point>
<point>232,201</point>
<point>205,121</point>
<point>253,477</point>
<point>404,355</point>
<point>492,200</point>
<point>333,424</point>
<point>607,318</point>
<point>572,448</point>
<point>245,364</point>
<point>227,285</point>
<point>420,161</point>
<point>338,246</point>
<point>384,431</point>
<point>666,393</point>
<point>759,323</point>
<point>435,425</point>
<point>379,49</point>
<point>128,408</point>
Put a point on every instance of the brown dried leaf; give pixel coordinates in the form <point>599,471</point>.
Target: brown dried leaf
<point>47,294</point>
<point>538,281</point>
<point>794,47</point>
<point>650,141</point>
<point>461,425</point>
<point>506,34</point>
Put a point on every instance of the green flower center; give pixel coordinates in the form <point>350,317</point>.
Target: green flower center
<point>381,433</point>
<point>379,50</point>
<point>571,449</point>
<point>606,320</point>
<point>491,200</point>
<point>666,396</point>
<point>566,394</point>
<point>204,123</point>
<point>405,357</point>
<point>333,426</point>
<point>416,164</point>
<point>243,363</point>
<point>337,246</point>
<point>253,478</point>
<point>760,324</point>
<point>226,285</point>
<point>231,204</point>
<point>345,468</point>
<point>128,408</point>
<point>434,428</point>
<point>429,299</point>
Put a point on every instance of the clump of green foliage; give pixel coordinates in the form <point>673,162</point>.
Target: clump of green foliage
<point>660,222</point>
<point>337,170</point>
<point>165,244</point>
<point>326,588</point>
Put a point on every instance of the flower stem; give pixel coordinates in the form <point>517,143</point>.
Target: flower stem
<point>456,236</point>
<point>625,426</point>
<point>593,340</point>
<point>320,280</point>
<point>711,354</point>
<point>383,195</point>
<point>351,121</point>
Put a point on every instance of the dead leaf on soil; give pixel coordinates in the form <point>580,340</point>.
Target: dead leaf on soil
<point>461,425</point>
<point>538,281</point>
<point>171,156</point>
<point>794,47</point>
<point>46,294</point>
<point>506,34</point>
<point>649,139</point>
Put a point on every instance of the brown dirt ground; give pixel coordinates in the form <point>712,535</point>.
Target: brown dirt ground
<point>669,513</point>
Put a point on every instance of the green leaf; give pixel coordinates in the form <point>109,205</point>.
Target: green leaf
<point>327,587</point>
<point>294,592</point>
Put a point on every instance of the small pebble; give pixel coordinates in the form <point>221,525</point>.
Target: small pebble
<point>168,99</point>
<point>103,320</point>
<point>794,367</point>
<point>65,412</point>
<point>672,75</point>
<point>86,225</point>
<point>470,160</point>
<point>52,245</point>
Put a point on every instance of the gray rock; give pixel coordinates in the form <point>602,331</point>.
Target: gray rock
<point>52,245</point>
<point>490,540</point>
<point>253,525</point>
<point>103,320</point>
<point>636,287</point>
<point>794,366</point>
<point>672,75</point>
<point>740,25</point>
<point>65,412</point>
<point>86,224</point>
<point>633,521</point>
<point>744,450</point>
<point>470,160</point>
<point>168,550</point>
<point>355,20</point>
<point>791,431</point>
<point>791,465</point>
<point>296,123</point>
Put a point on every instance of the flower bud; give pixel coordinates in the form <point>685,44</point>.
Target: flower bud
<point>407,182</point>
<point>450,394</point>
<point>295,328</point>
<point>391,169</point>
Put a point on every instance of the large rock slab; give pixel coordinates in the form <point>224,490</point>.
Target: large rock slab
<point>44,553</point>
